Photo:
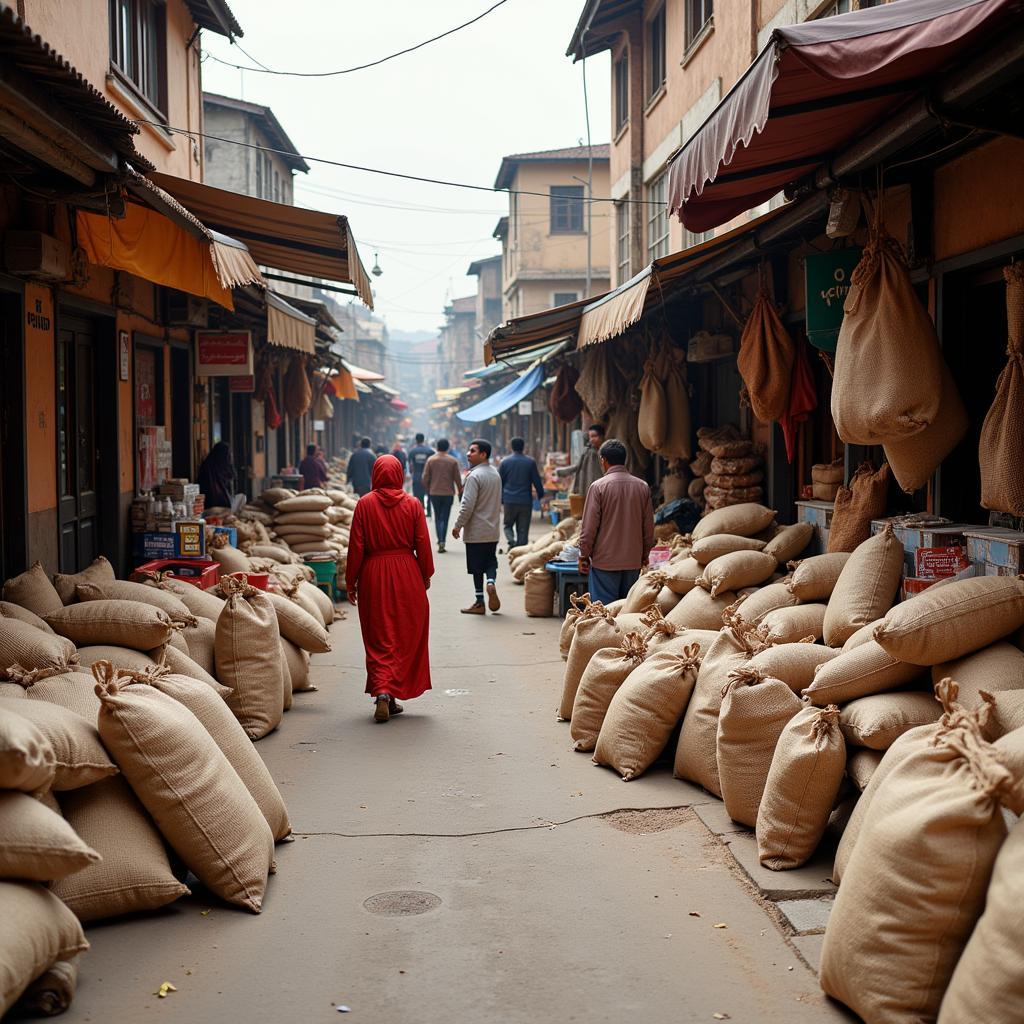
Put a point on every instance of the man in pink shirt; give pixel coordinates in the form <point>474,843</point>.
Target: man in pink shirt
<point>618,527</point>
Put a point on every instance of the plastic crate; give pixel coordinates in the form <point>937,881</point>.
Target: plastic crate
<point>200,572</point>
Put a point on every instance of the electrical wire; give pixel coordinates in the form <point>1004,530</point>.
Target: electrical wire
<point>264,70</point>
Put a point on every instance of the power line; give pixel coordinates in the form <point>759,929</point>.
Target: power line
<point>264,70</point>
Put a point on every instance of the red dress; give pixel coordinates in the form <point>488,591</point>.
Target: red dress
<point>389,564</point>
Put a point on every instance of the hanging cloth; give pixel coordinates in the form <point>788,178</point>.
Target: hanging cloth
<point>678,443</point>
<point>298,395</point>
<point>564,403</point>
<point>803,400</point>
<point>765,360</point>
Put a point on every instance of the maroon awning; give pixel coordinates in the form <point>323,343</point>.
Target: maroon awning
<point>813,88</point>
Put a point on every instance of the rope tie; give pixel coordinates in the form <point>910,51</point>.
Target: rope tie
<point>743,676</point>
<point>824,723</point>
<point>29,677</point>
<point>634,647</point>
<point>106,676</point>
<point>236,583</point>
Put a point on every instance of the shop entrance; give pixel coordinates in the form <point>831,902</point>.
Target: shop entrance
<point>181,412</point>
<point>13,506</point>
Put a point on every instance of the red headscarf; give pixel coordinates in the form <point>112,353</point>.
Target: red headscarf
<point>387,480</point>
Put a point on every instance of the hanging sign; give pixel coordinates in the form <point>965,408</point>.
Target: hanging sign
<point>526,408</point>
<point>827,283</point>
<point>243,385</point>
<point>224,354</point>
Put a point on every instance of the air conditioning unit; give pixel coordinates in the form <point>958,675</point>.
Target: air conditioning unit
<point>184,310</point>
<point>36,255</point>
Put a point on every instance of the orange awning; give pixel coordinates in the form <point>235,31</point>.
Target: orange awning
<point>344,386</point>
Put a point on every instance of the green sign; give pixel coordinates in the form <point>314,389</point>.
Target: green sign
<point>827,282</point>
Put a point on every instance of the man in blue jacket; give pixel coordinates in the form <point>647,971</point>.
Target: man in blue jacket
<point>519,477</point>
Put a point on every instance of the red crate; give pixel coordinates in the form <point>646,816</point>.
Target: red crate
<point>260,580</point>
<point>940,563</point>
<point>200,572</point>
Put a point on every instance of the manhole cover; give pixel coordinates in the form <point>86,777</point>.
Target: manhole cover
<point>402,904</point>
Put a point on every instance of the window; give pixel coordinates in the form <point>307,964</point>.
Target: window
<point>564,298</point>
<point>839,7</point>
<point>621,92</point>
<point>656,53</point>
<point>138,44</point>
<point>698,15</point>
<point>691,238</point>
<point>566,209</point>
<point>657,217</point>
<point>622,243</point>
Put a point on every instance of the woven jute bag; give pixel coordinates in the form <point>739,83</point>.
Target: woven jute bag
<point>667,600</point>
<point>754,711</point>
<point>881,719</point>
<point>34,591</point>
<point>25,649</point>
<point>765,360</point>
<point>789,542</point>
<point>579,606</point>
<point>860,672</point>
<point>814,579</point>
<point>298,666</point>
<point>1001,448</point>
<point>887,373</point>
<point>72,690</point>
<point>15,611</point>
<point>644,592</point>
<point>119,623</point>
<point>125,590</point>
<point>298,625</point>
<point>594,631</point>
<point>710,548</point>
<point>744,520</point>
<point>767,599</point>
<point>916,881</point>
<point>681,576</point>
<point>36,843</point>
<point>201,641</point>
<point>539,595</point>
<point>800,791</point>
<point>652,417</point>
<point>794,664</point>
<point>994,669</point>
<point>198,601</point>
<point>644,711</point>
<point>791,625</point>
<point>861,636</point>
<point>861,765</point>
<point>184,780</point>
<point>607,671</point>
<point>27,760</point>
<point>736,570</point>
<point>855,506</point>
<point>249,659</point>
<point>699,610</point>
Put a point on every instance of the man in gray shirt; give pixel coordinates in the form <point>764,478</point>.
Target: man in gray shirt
<point>480,516</point>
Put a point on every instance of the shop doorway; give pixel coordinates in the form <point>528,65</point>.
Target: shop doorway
<point>13,504</point>
<point>181,412</point>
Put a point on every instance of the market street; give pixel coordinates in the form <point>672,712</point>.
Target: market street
<point>593,919</point>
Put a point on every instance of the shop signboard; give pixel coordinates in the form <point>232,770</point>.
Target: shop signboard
<point>827,283</point>
<point>243,385</point>
<point>526,408</point>
<point>224,354</point>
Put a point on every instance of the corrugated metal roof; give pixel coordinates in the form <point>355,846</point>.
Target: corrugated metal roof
<point>508,163</point>
<point>216,16</point>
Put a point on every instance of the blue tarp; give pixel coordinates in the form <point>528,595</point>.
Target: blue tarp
<point>496,404</point>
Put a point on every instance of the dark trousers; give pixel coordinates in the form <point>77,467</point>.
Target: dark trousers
<point>517,524</point>
<point>442,505</point>
<point>481,562</point>
<point>419,492</point>
<point>607,585</point>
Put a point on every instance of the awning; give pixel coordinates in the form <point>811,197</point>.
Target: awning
<point>500,401</point>
<point>344,386</point>
<point>289,238</point>
<point>360,374</point>
<point>815,87</point>
<point>516,360</point>
<point>383,389</point>
<point>535,330</point>
<point>398,405</point>
<point>445,395</point>
<point>288,327</point>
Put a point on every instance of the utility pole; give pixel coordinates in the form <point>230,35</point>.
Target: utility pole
<point>590,159</point>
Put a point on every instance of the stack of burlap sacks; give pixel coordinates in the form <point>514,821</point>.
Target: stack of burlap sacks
<point>127,718</point>
<point>799,697</point>
<point>527,567</point>
<point>728,470</point>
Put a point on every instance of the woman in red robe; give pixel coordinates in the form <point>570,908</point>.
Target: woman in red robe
<point>387,577</point>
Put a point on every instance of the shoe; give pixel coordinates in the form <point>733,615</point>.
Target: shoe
<point>476,608</point>
<point>493,601</point>
<point>394,707</point>
<point>382,711</point>
<point>440,549</point>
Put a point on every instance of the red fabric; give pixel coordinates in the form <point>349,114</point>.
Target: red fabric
<point>389,564</point>
<point>803,400</point>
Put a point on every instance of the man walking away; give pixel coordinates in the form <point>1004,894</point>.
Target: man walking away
<point>519,479</point>
<point>399,453</point>
<point>618,527</point>
<point>360,467</point>
<point>479,515</point>
<point>417,461</point>
<point>588,469</point>
<point>441,479</point>
<point>313,468</point>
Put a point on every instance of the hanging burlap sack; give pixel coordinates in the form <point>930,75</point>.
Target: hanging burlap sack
<point>606,672</point>
<point>644,592</point>
<point>879,720</point>
<point>592,634</point>
<point>791,625</point>
<point>735,571</point>
<point>888,365</point>
<point>539,596</point>
<point>1001,448</point>
<point>916,882</point>
<point>815,578</point>
<point>678,442</point>
<point>856,505</point>
<point>765,360</point>
<point>652,420</point>
<point>719,544</point>
<point>794,664</point>
<point>754,711</point>
<point>564,403</point>
<point>699,610</point>
<point>298,395</point>
<point>644,711</point>
<point>865,670</point>
<point>800,791</point>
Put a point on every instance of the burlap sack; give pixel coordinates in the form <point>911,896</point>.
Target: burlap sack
<point>644,711</point>
<point>951,621</point>
<point>744,520</point>
<point>710,548</point>
<point>861,636</point>
<point>888,360</point>
<point>681,576</point>
<point>198,601</point>
<point>861,672</point>
<point>539,596</point>
<point>27,760</point>
<point>182,665</point>
<point>644,592</point>
<point>916,881</point>
<point>124,590</point>
<point>275,552</point>
<point>607,671</point>
<point>36,844</point>
<point>864,499</point>
<point>274,495</point>
<point>754,711</point>
<point>652,417</point>
<point>678,443</point>
<point>696,757</point>
<point>578,605</point>
<point>72,690</point>
<point>199,803</point>
<point>230,559</point>
<point>914,459</point>
<point>789,542</point>
<point>800,791</point>
<point>229,736</point>
<point>861,764</point>
<point>791,625</point>
<point>121,657</point>
<point>298,666</point>
<point>593,632</point>
<point>200,639</point>
<point>286,679</point>
<point>866,588</point>
<point>993,669</point>
<point>699,610</point>
<point>767,599</point>
<point>248,658</point>
<point>303,503</point>
<point>297,625</point>
<point>34,591</point>
<point>794,664</point>
<point>177,641</point>
<point>310,518</point>
<point>79,757</point>
<point>301,532</point>
<point>15,611</point>
<point>99,571</point>
<point>765,360</point>
<point>1001,448</point>
<point>736,570</point>
<point>36,931</point>
<point>302,599</point>
<point>878,721</point>
<point>134,874</point>
<point>814,579</point>
<point>313,595</point>
<point>52,992</point>
<point>117,623</point>
<point>27,650</point>
<point>989,976</point>
<point>667,600</point>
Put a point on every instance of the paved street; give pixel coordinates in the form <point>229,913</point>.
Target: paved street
<point>555,891</point>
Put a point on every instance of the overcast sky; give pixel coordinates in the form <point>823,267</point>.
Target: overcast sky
<point>450,110</point>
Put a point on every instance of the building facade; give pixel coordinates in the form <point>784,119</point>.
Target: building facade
<point>458,347</point>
